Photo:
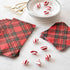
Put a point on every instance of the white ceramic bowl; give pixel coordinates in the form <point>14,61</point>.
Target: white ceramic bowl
<point>32,3</point>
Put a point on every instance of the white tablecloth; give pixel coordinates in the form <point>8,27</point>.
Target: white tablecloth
<point>59,61</point>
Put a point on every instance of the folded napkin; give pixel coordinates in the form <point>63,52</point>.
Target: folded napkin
<point>13,34</point>
<point>58,35</point>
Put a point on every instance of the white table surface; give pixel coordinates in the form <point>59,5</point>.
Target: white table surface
<point>59,61</point>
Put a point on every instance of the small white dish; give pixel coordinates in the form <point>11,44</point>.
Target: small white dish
<point>33,11</point>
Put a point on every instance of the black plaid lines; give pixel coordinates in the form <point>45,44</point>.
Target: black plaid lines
<point>61,45</point>
<point>65,36</point>
<point>7,26</point>
<point>31,29</point>
<point>8,39</point>
<point>10,26</point>
<point>21,23</point>
<point>25,31</point>
<point>26,36</point>
<point>16,39</point>
<point>5,35</point>
<point>65,32</point>
<point>15,35</point>
<point>0,52</point>
<point>11,49</point>
<point>4,26</point>
<point>5,32</point>
<point>61,37</point>
<point>56,36</point>
<point>45,35</point>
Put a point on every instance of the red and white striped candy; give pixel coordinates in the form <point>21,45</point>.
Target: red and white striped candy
<point>47,57</point>
<point>25,62</point>
<point>46,3</point>
<point>34,52</point>
<point>48,7</point>
<point>35,40</point>
<point>38,5</point>
<point>43,48</point>
<point>46,12</point>
<point>38,62</point>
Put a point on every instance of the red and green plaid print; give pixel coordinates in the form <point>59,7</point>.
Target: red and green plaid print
<point>13,34</point>
<point>58,35</point>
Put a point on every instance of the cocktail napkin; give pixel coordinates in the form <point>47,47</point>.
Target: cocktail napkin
<point>58,35</point>
<point>13,35</point>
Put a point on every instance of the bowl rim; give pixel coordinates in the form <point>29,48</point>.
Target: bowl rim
<point>46,16</point>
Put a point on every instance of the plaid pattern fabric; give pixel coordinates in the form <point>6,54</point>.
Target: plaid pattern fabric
<point>58,35</point>
<point>13,34</point>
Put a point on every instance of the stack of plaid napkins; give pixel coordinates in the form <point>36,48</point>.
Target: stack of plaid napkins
<point>13,34</point>
<point>58,35</point>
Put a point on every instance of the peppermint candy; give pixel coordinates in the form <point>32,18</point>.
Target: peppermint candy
<point>43,48</point>
<point>38,5</point>
<point>38,62</point>
<point>46,12</point>
<point>48,7</point>
<point>25,62</point>
<point>46,3</point>
<point>34,52</point>
<point>35,40</point>
<point>48,57</point>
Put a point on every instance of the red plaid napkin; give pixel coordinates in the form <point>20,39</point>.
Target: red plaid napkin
<point>13,34</point>
<point>58,35</point>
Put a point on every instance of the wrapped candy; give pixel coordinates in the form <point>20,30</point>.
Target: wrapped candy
<point>34,52</point>
<point>38,5</point>
<point>48,57</point>
<point>46,12</point>
<point>46,3</point>
<point>35,40</point>
<point>43,48</point>
<point>38,62</point>
<point>25,62</point>
<point>48,7</point>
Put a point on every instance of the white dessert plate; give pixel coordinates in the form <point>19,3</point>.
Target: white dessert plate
<point>35,12</point>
